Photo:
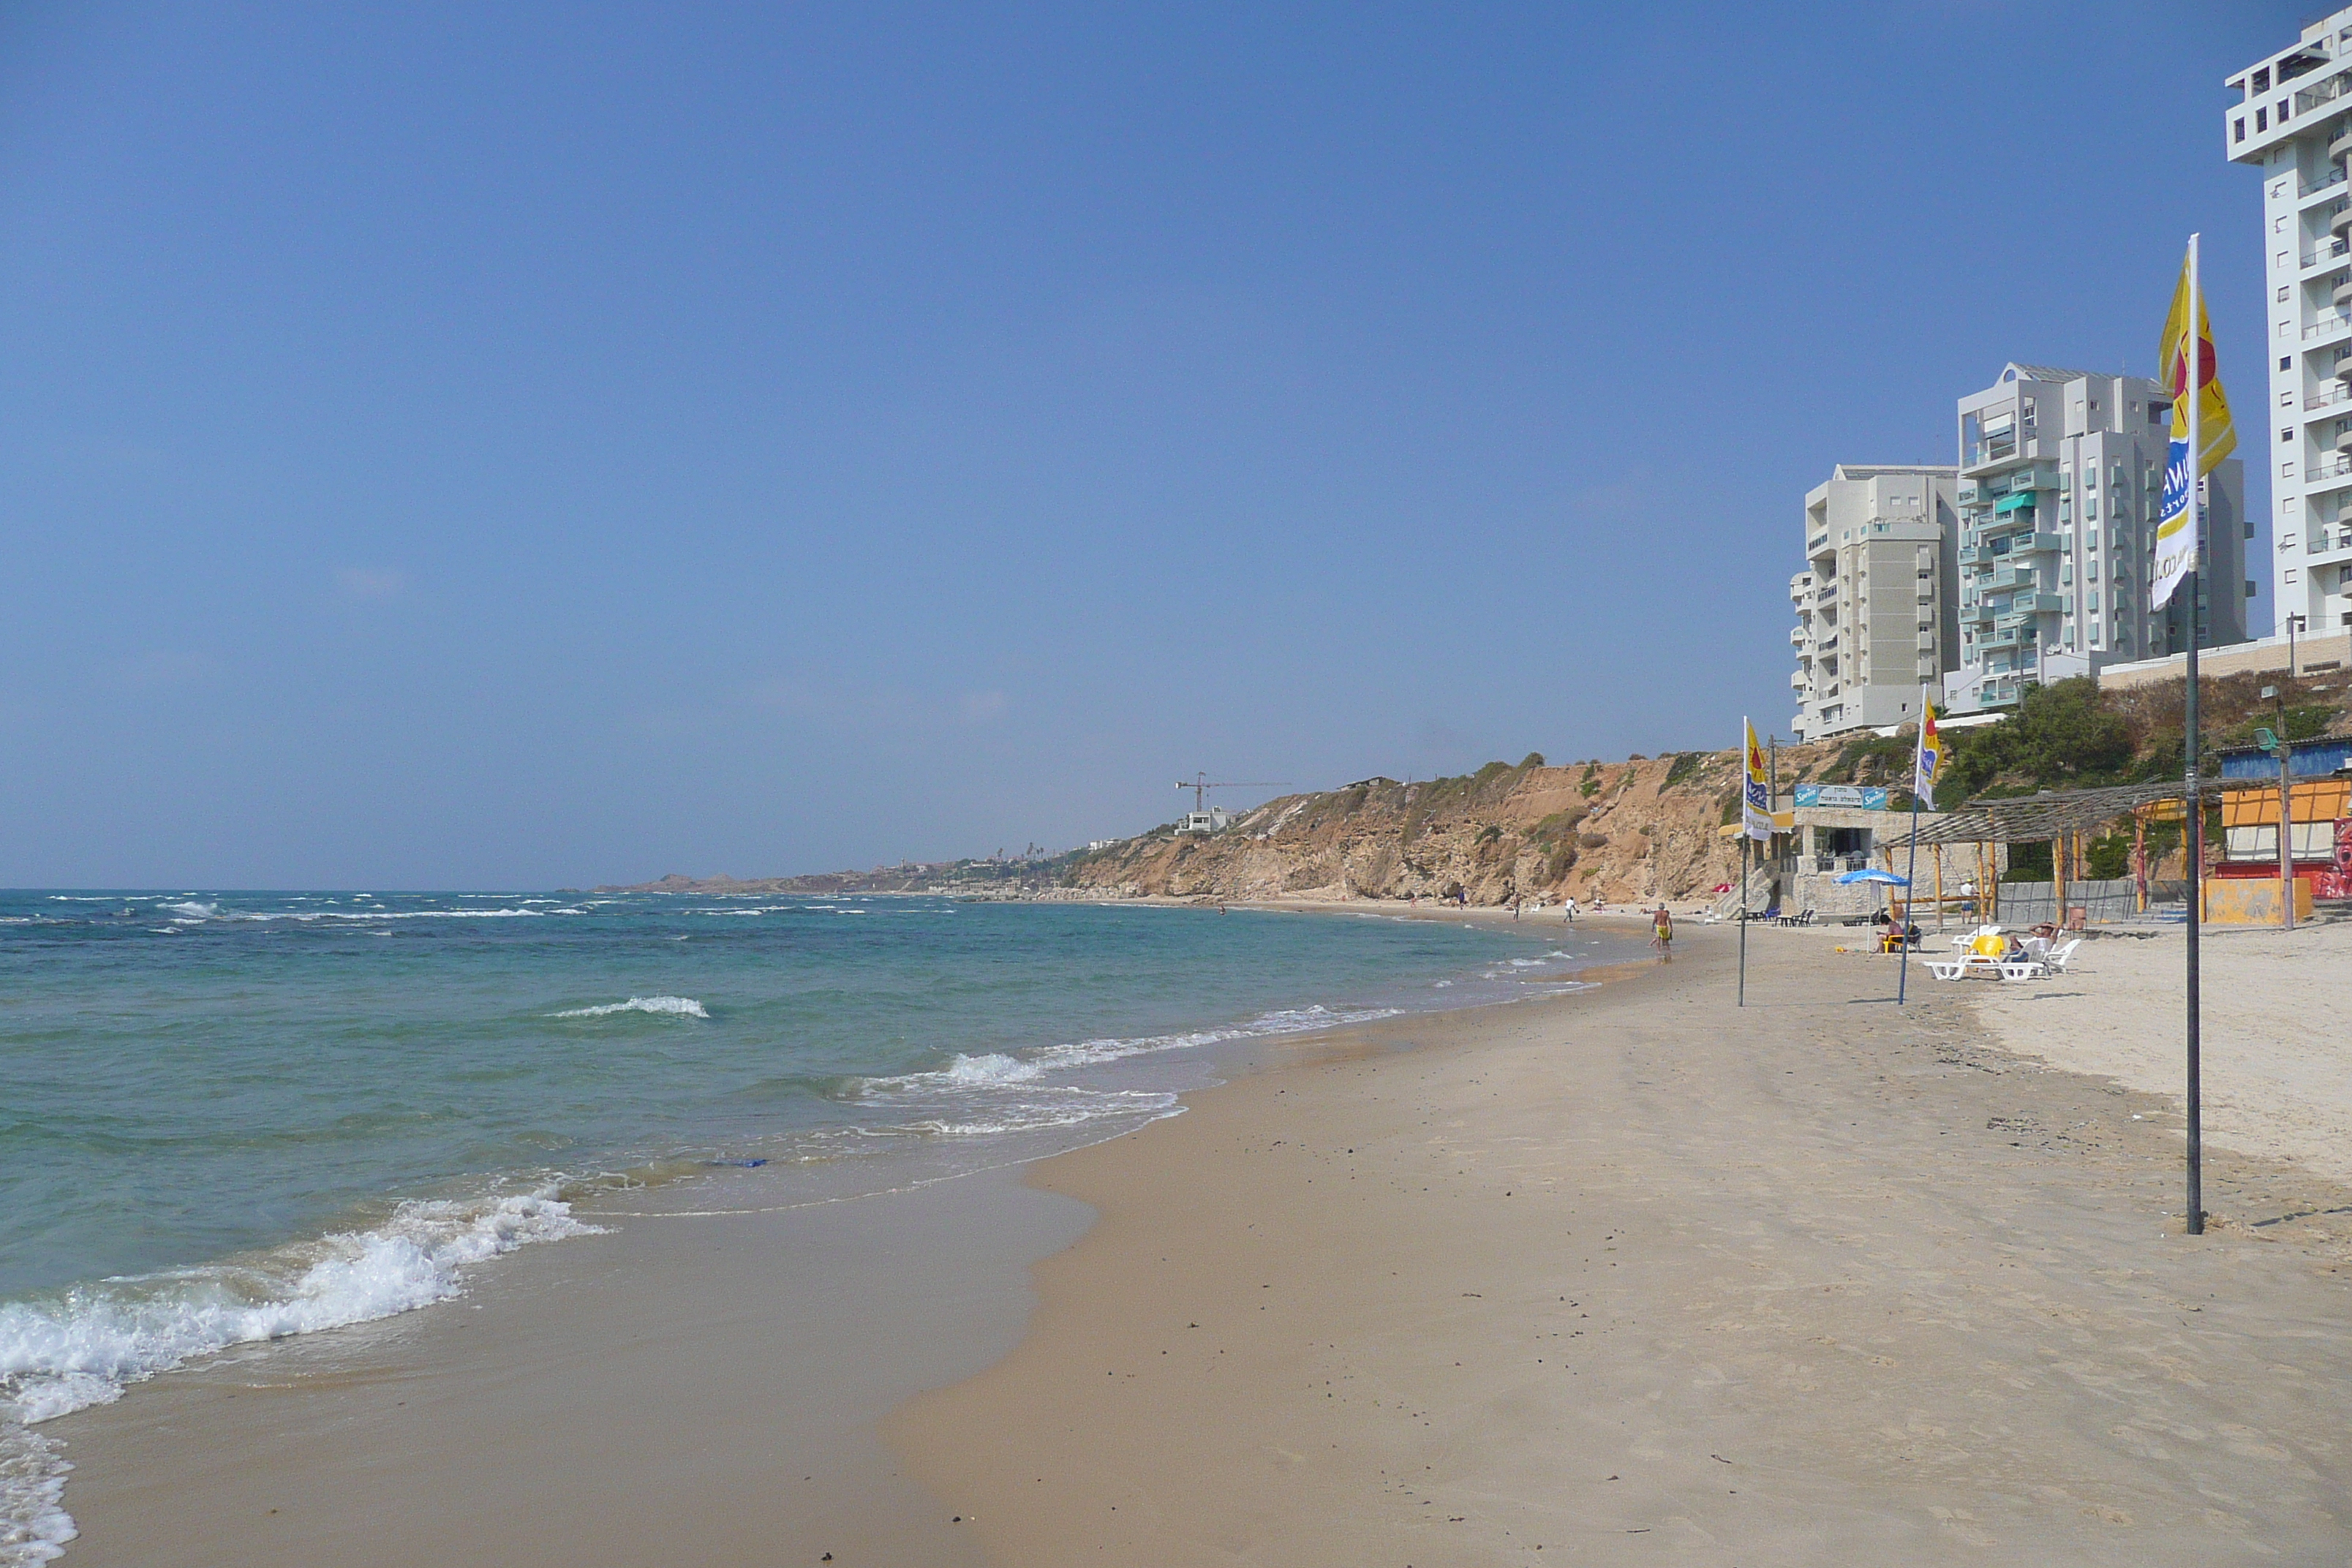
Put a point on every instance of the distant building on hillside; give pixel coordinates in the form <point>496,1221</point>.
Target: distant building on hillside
<point>2300,137</point>
<point>2061,477</point>
<point>1876,613</point>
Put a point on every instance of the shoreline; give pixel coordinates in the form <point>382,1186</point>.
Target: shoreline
<point>1639,1275</point>
<point>403,1399</point>
<point>1443,1265</point>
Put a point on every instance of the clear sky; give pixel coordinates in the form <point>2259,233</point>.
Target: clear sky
<point>528,445</point>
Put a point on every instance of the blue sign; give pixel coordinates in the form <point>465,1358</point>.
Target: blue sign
<point>1849,797</point>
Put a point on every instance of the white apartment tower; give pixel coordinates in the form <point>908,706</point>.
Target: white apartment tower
<point>2293,122</point>
<point>2061,481</point>
<point>1875,612</point>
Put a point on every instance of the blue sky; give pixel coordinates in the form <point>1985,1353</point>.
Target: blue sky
<point>535,445</point>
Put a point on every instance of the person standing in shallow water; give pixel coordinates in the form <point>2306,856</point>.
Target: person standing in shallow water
<point>1662,935</point>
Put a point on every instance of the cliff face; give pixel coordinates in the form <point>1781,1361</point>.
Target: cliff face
<point>1644,828</point>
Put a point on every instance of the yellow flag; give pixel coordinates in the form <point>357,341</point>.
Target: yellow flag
<point>1756,792</point>
<point>1929,762</point>
<point>2185,345</point>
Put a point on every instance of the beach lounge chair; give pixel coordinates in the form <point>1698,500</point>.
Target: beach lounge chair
<point>2055,962</point>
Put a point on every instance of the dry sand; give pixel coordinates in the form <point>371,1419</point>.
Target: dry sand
<point>1637,1278</point>
<point>2277,1055</point>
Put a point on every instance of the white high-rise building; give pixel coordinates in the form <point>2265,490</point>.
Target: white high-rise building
<point>2293,122</point>
<point>2060,482</point>
<point>1875,614</point>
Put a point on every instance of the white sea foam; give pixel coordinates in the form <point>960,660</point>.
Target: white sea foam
<point>34,1524</point>
<point>79,1347</point>
<point>991,1068</point>
<point>670,1006</point>
<point>192,910</point>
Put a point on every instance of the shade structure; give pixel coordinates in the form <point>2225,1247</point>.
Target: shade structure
<point>2051,814</point>
<point>1873,873</point>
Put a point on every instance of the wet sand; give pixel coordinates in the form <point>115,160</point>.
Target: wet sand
<point>681,1390</point>
<point>1637,1277</point>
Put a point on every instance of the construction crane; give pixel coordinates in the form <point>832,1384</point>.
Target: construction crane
<point>1201,784</point>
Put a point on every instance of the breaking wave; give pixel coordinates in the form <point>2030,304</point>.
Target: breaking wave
<point>668,1006</point>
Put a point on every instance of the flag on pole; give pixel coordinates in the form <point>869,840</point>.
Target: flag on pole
<point>1756,797</point>
<point>2188,341</point>
<point>1930,759</point>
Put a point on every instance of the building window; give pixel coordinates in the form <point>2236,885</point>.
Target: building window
<point>2262,120</point>
<point>2284,435</point>
<point>2241,136</point>
<point>2286,362</point>
<point>2282,110</point>
<point>2282,295</point>
<point>2286,470</point>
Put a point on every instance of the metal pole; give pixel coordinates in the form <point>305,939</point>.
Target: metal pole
<point>1910,902</point>
<point>2192,388</point>
<point>1745,842</point>
<point>2286,822</point>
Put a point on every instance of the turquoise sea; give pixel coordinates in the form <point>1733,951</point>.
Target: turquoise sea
<point>231,1117</point>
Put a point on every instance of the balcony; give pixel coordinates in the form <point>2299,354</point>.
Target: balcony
<point>2340,145</point>
<point>2327,91</point>
<point>2324,539</point>
<point>2326,326</point>
<point>2335,177</point>
<point>2334,251</point>
<point>1817,543</point>
<point>2330,468</point>
<point>2327,396</point>
<point>1797,637</point>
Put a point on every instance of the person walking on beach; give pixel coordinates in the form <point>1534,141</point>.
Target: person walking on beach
<point>1662,935</point>
<point>1569,917</point>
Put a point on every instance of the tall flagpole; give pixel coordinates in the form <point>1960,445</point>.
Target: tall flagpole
<point>1911,876</point>
<point>2193,388</point>
<point>1746,843</point>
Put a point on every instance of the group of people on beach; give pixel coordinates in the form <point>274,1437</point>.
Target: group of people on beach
<point>1662,924</point>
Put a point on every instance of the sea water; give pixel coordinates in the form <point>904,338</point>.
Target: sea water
<point>231,1117</point>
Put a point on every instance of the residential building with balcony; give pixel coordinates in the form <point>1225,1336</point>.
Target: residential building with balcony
<point>1875,605</point>
<point>2293,122</point>
<point>2060,487</point>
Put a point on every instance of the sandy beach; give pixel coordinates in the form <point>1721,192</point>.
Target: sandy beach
<point>2274,1053</point>
<point>1627,1276</point>
<point>1637,1278</point>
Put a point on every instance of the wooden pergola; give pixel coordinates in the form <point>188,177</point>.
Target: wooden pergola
<point>2063,819</point>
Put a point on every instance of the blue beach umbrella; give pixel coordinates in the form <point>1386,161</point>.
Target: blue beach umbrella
<point>1874,875</point>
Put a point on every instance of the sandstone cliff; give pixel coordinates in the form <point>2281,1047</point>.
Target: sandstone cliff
<point>1642,828</point>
